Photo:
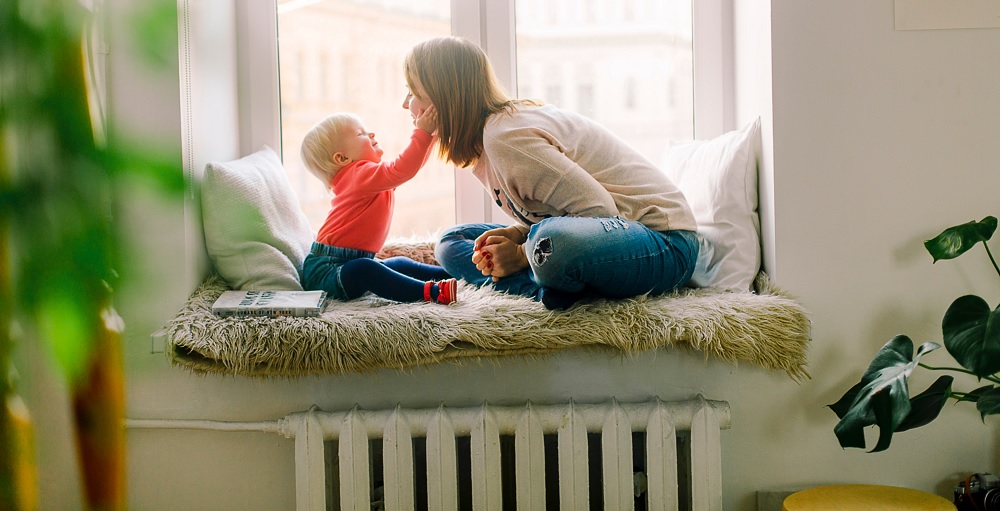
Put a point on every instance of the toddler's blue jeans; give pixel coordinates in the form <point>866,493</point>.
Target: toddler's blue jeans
<point>608,257</point>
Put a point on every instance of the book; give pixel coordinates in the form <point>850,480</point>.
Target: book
<point>232,304</point>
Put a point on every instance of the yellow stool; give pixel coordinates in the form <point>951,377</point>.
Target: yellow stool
<point>865,497</point>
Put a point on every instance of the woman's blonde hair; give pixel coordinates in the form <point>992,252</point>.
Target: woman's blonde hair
<point>459,80</point>
<point>320,144</point>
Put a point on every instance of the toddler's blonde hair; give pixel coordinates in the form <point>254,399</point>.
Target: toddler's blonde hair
<point>320,144</point>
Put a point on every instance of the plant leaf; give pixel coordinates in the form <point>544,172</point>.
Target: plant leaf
<point>841,407</point>
<point>887,375</point>
<point>884,412</point>
<point>927,405</point>
<point>971,335</point>
<point>988,400</point>
<point>849,432</point>
<point>958,239</point>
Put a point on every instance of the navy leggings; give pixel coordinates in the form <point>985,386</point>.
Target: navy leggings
<point>347,273</point>
<point>399,278</point>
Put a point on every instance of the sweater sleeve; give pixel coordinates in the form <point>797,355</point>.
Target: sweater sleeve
<point>538,170</point>
<point>389,175</point>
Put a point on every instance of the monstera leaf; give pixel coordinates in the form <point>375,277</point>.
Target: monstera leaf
<point>956,240</point>
<point>881,397</point>
<point>971,335</point>
<point>927,405</point>
<point>987,399</point>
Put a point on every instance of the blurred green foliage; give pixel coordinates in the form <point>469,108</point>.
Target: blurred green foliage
<point>61,177</point>
<point>60,181</point>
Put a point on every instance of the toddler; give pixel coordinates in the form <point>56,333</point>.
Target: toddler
<point>347,159</point>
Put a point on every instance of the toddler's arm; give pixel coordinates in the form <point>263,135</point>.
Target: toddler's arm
<point>389,175</point>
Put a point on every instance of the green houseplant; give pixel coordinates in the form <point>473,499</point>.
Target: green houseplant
<point>971,335</point>
<point>62,244</point>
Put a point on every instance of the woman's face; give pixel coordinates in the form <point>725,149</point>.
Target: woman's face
<point>416,101</point>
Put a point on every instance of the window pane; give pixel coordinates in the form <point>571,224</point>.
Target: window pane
<point>347,55</point>
<point>624,63</point>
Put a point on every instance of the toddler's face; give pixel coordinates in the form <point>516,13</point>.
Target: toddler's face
<point>360,145</point>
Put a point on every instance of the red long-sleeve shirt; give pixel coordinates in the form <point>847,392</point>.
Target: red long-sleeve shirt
<point>363,197</point>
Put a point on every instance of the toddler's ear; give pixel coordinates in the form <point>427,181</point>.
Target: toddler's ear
<point>340,158</point>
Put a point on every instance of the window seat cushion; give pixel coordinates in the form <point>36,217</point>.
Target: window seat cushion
<point>768,328</point>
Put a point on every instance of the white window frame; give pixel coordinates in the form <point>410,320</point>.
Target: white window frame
<point>713,65</point>
<point>259,99</point>
<point>492,26</point>
<point>490,23</point>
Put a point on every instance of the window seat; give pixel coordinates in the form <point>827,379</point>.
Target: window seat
<point>767,328</point>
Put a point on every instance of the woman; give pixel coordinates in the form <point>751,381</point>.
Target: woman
<point>592,215</point>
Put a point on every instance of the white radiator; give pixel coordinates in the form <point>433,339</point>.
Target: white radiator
<point>592,441</point>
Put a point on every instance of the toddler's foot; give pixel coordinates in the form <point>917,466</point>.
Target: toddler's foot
<point>447,291</point>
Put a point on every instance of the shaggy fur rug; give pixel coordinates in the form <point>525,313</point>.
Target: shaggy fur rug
<point>768,328</point>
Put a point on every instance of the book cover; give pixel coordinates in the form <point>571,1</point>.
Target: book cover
<point>269,303</point>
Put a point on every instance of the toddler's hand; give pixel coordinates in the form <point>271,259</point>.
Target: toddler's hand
<point>428,120</point>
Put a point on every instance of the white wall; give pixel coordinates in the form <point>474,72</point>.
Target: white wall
<point>875,140</point>
<point>880,139</point>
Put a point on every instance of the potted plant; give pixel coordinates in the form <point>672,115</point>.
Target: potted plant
<point>971,336</point>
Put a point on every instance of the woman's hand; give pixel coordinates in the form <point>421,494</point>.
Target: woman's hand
<point>499,252</point>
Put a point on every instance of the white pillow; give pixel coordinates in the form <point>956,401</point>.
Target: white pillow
<point>255,232</point>
<point>719,178</point>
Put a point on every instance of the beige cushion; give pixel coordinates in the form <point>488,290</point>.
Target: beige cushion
<point>719,178</point>
<point>255,232</point>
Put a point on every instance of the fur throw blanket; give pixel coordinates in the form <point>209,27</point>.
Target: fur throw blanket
<point>767,328</point>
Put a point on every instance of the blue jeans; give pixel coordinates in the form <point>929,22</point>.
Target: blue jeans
<point>607,257</point>
<point>347,273</point>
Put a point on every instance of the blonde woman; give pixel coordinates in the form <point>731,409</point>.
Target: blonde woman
<point>591,215</point>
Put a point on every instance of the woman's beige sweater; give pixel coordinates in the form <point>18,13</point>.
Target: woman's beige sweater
<point>541,162</point>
